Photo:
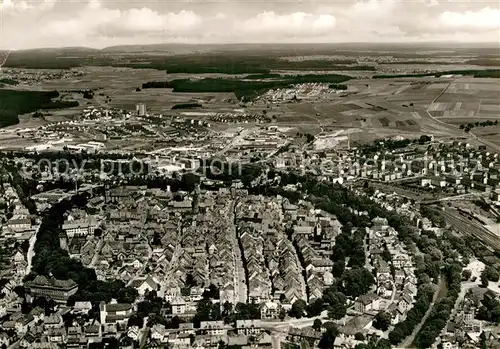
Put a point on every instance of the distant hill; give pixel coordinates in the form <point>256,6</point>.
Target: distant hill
<point>58,50</point>
<point>163,48</point>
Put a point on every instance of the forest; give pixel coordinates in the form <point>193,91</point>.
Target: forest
<point>13,103</point>
<point>486,73</point>
<point>244,89</point>
<point>226,62</point>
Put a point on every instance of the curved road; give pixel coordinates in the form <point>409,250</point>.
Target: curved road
<point>409,340</point>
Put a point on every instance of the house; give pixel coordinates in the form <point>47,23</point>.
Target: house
<point>172,293</point>
<point>178,306</point>
<point>20,224</point>
<point>356,325</point>
<point>270,310</point>
<point>115,312</point>
<point>26,342</point>
<point>56,335</point>
<point>297,335</point>
<point>404,304</point>
<point>82,227</point>
<point>213,328</point>
<point>159,333</point>
<point>366,303</point>
<point>385,289</point>
<point>399,276</point>
<point>180,339</point>
<point>133,332</point>
<point>399,260</point>
<point>19,258</point>
<point>147,285</point>
<point>320,265</point>
<point>187,327</point>
<point>20,325</point>
<point>53,321</point>
<point>37,313</point>
<point>58,290</point>
<point>248,327</point>
<point>93,332</point>
<point>82,308</point>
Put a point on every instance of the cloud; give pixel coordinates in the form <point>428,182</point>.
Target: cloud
<point>289,24</point>
<point>100,23</point>
<point>11,6</point>
<point>487,18</point>
<point>95,20</point>
<point>146,21</point>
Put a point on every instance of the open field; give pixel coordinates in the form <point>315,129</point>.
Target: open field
<point>375,108</point>
<point>465,99</point>
<point>120,85</point>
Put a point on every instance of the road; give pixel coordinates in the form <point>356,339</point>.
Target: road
<point>283,326</point>
<point>31,251</point>
<point>409,340</point>
<point>239,277</point>
<point>234,141</point>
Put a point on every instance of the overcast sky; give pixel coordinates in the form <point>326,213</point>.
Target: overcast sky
<point>100,23</point>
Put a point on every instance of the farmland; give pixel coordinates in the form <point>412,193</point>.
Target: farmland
<point>374,93</point>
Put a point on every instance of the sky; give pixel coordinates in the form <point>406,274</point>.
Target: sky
<point>101,23</point>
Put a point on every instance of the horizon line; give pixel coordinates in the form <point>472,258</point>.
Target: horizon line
<point>402,43</point>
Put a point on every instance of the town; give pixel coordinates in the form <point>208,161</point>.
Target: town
<point>275,254</point>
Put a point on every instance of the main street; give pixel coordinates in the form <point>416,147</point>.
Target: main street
<point>31,250</point>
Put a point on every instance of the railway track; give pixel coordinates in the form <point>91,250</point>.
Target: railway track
<point>470,228</point>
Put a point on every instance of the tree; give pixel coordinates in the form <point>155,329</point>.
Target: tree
<point>484,280</point>
<point>127,295</point>
<point>203,311</point>
<point>336,303</point>
<point>317,324</point>
<point>174,322</point>
<point>298,309</point>
<point>491,273</point>
<point>212,292</point>
<point>466,274</point>
<point>359,336</point>
<point>282,314</point>
<point>357,282</point>
<point>189,181</point>
<point>190,281</point>
<point>328,337</point>
<point>309,138</point>
<point>135,320</point>
<point>246,311</point>
<point>397,334</point>
<point>489,309</point>
<point>382,321</point>
<point>227,308</point>
<point>338,267</point>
